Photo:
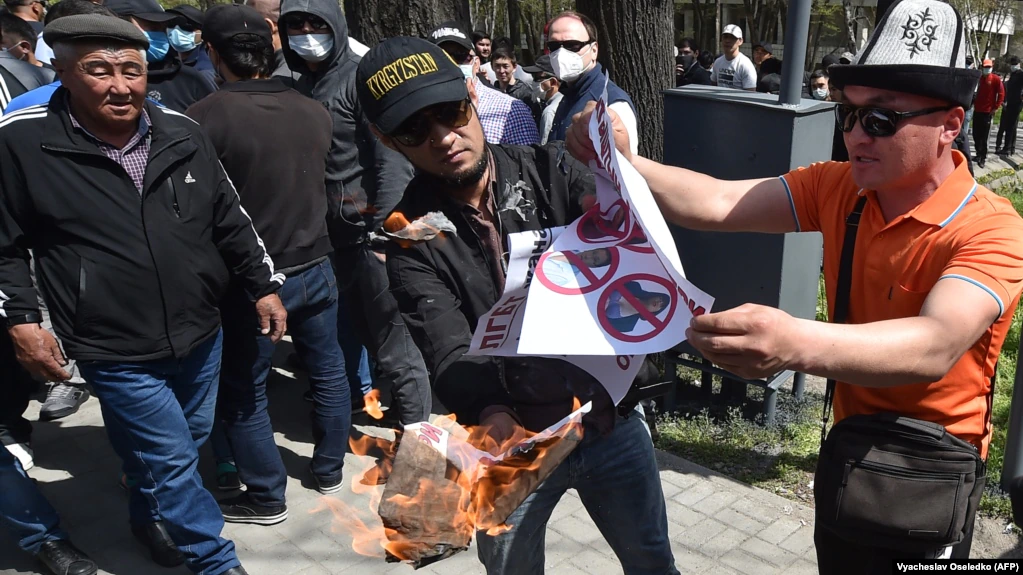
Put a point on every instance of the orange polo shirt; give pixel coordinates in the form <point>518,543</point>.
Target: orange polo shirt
<point>963,232</point>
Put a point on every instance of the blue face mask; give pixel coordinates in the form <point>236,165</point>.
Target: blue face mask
<point>159,45</point>
<point>181,40</point>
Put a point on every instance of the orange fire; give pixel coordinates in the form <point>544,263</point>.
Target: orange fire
<point>432,512</point>
<point>372,401</point>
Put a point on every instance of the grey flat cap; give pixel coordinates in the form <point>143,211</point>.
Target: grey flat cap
<point>94,26</point>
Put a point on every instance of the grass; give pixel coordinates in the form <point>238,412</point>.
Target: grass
<point>727,435</point>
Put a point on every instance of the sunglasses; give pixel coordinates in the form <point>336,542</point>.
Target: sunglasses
<point>877,122</point>
<point>460,56</point>
<point>570,45</point>
<point>298,21</point>
<point>415,130</point>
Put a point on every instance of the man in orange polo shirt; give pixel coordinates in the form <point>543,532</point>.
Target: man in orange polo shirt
<point>938,263</point>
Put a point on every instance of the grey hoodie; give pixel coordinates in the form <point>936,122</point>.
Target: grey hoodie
<point>365,180</point>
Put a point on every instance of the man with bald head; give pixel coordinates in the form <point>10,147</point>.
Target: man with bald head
<point>136,231</point>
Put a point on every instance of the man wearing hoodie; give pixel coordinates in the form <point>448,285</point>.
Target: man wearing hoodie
<point>364,181</point>
<point>170,83</point>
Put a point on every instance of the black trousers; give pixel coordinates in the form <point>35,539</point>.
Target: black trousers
<point>1007,128</point>
<point>362,275</point>
<point>16,387</point>
<point>981,132</point>
<point>836,556</point>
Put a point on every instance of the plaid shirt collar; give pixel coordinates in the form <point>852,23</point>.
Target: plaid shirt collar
<point>134,156</point>
<point>143,131</point>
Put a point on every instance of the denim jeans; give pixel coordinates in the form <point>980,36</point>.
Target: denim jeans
<point>617,480</point>
<point>310,297</point>
<point>23,509</point>
<point>357,366</point>
<point>151,409</point>
<point>374,314</point>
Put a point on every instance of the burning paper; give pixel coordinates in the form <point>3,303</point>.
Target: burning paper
<point>442,486</point>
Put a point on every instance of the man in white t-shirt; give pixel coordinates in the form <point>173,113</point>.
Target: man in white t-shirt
<point>733,69</point>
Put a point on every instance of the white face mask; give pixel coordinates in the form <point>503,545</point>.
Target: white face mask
<point>568,65</point>
<point>312,47</point>
<point>820,93</point>
<point>987,70</point>
<point>466,70</point>
<point>1015,68</point>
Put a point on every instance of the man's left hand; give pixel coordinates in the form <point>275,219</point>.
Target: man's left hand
<point>273,318</point>
<point>751,341</point>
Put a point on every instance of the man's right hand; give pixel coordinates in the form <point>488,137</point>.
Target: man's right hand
<point>38,352</point>
<point>578,142</point>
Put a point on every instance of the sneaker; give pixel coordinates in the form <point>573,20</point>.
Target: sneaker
<point>62,400</point>
<point>63,558</point>
<point>241,509</point>
<point>227,477</point>
<point>23,453</point>
<point>328,488</point>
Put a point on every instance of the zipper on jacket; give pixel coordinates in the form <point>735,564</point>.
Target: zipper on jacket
<point>174,192</point>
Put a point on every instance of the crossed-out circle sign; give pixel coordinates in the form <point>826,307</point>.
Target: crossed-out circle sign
<point>650,317</point>
<point>637,241</point>
<point>593,228</point>
<point>587,279</point>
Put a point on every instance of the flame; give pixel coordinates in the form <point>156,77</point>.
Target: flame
<point>431,513</point>
<point>372,401</point>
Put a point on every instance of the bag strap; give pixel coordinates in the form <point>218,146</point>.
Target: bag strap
<point>845,269</point>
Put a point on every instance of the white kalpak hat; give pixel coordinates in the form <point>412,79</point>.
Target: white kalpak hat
<point>917,48</point>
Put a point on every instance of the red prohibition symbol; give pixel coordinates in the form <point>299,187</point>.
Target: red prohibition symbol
<point>658,324</point>
<point>595,229</point>
<point>588,280</point>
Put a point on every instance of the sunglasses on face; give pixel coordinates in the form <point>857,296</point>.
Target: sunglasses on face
<point>877,122</point>
<point>415,130</point>
<point>298,21</point>
<point>460,56</point>
<point>570,45</point>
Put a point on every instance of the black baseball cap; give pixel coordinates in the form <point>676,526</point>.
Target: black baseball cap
<point>766,46</point>
<point>148,10</point>
<point>189,14</point>
<point>225,21</point>
<point>403,75</point>
<point>451,32</point>
<point>543,64</point>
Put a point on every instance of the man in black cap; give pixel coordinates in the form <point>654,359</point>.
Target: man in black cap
<point>273,143</point>
<point>135,231</point>
<point>170,83</point>
<point>185,37</point>
<point>923,269</point>
<point>1005,141</point>
<point>419,104</point>
<point>364,182</point>
<point>763,52</point>
<point>550,93</point>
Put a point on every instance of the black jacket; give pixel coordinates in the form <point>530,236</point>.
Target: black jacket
<point>273,143</point>
<point>127,277</point>
<point>365,180</point>
<point>444,285</point>
<point>10,88</point>
<point>175,85</point>
<point>1013,92</point>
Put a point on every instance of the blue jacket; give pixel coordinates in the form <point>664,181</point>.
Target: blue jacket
<point>581,92</point>
<point>40,95</point>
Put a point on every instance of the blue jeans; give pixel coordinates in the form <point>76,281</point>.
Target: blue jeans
<point>617,480</point>
<point>24,509</point>
<point>356,357</point>
<point>310,297</point>
<point>151,409</point>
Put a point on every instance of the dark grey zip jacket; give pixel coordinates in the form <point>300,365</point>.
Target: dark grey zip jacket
<point>127,276</point>
<point>365,180</point>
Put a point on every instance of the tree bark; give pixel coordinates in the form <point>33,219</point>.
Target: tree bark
<point>849,11</point>
<point>641,64</point>
<point>372,21</point>
<point>514,29</point>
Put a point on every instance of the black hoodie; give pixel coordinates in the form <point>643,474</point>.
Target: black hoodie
<point>175,86</point>
<point>365,180</point>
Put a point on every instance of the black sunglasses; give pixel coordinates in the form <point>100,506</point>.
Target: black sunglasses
<point>877,122</point>
<point>570,45</point>
<point>415,130</point>
<point>298,21</point>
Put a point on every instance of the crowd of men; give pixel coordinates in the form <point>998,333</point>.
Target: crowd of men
<point>180,189</point>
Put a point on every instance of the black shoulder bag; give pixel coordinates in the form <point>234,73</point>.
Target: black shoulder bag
<point>889,481</point>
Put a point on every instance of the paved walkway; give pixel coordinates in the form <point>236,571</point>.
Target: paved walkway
<point>716,525</point>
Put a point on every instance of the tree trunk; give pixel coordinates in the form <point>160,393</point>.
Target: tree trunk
<point>641,64</point>
<point>371,21</point>
<point>514,30</point>
<point>849,11</point>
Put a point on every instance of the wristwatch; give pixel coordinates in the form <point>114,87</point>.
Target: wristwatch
<point>30,317</point>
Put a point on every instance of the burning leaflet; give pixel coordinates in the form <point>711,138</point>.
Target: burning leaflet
<point>441,486</point>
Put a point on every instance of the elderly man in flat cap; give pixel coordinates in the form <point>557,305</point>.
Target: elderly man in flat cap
<point>923,269</point>
<point>136,231</point>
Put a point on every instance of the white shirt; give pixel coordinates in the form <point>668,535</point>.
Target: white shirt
<point>358,47</point>
<point>547,116</point>
<point>738,73</point>
<point>43,52</point>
